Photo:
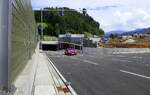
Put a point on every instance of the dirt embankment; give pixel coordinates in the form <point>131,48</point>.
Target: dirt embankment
<point>138,43</point>
<point>127,45</point>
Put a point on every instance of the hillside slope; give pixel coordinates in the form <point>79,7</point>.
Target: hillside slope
<point>71,21</point>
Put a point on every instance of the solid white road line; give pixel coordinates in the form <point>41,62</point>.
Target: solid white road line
<point>135,74</point>
<point>70,88</point>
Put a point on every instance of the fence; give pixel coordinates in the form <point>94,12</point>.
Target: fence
<point>17,39</point>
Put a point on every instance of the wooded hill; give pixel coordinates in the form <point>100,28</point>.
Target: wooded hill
<point>57,22</point>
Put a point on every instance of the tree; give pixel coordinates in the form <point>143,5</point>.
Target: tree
<point>113,36</point>
<point>87,34</point>
<point>71,21</point>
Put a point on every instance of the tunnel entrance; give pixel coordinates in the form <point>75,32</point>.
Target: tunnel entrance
<point>49,45</point>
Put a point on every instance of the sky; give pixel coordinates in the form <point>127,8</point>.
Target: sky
<point>124,15</point>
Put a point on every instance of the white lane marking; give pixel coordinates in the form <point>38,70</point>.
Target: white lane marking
<point>146,64</point>
<point>124,60</point>
<point>135,74</point>
<point>90,56</point>
<point>94,56</point>
<point>90,62</point>
<point>86,61</point>
<point>136,57</point>
<point>120,60</point>
<point>120,56</point>
<point>73,57</point>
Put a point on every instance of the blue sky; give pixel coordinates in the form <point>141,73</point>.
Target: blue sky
<point>111,14</point>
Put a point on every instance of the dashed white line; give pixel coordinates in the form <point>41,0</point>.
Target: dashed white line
<point>120,60</point>
<point>146,64</point>
<point>87,61</point>
<point>136,57</point>
<point>120,56</point>
<point>135,74</point>
<point>90,56</point>
<point>124,60</point>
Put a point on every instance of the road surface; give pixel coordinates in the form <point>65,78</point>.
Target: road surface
<point>102,72</point>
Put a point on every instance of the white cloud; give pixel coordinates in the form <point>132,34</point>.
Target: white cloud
<point>112,14</point>
<point>135,18</point>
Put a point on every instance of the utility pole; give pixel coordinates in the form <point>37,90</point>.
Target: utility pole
<point>41,24</point>
<point>5,45</point>
<point>62,12</point>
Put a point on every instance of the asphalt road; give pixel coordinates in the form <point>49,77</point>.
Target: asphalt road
<point>101,72</point>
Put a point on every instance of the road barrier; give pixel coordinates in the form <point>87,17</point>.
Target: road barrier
<point>115,50</point>
<point>127,45</point>
<point>18,39</point>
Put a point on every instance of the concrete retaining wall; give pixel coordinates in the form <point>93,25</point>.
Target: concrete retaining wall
<point>117,50</point>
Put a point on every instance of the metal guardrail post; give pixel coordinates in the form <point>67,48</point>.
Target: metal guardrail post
<point>5,44</point>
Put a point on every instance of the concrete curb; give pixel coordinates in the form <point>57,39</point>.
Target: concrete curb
<point>24,84</point>
<point>61,76</point>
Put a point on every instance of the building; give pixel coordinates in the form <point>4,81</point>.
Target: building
<point>91,41</point>
<point>71,38</point>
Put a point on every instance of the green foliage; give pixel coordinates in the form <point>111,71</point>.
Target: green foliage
<point>113,36</point>
<point>49,38</point>
<point>42,24</point>
<point>72,22</point>
<point>87,34</point>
